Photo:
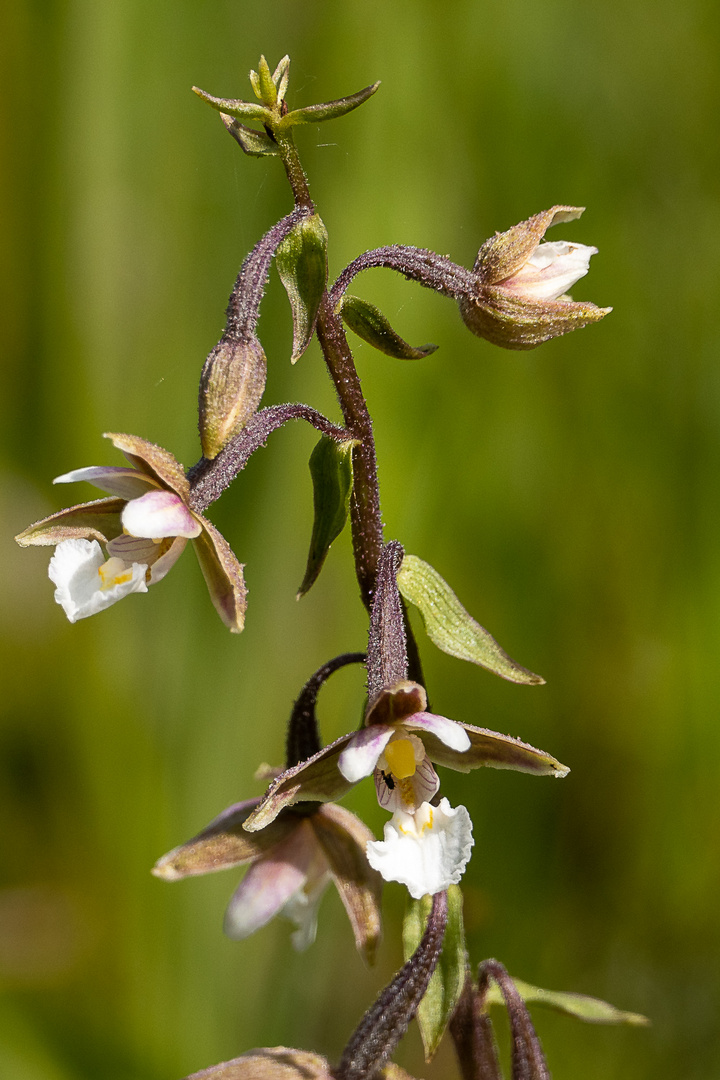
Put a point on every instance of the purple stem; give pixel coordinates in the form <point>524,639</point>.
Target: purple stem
<point>209,478</point>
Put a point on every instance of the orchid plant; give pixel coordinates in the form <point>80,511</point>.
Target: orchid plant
<point>295,840</point>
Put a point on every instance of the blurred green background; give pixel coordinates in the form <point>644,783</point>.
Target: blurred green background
<point>568,494</point>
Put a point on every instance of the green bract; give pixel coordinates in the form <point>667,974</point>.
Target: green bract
<point>450,626</point>
<point>332,476</point>
<point>328,110</point>
<point>301,260</point>
<point>591,1010</point>
<point>369,323</point>
<point>446,982</point>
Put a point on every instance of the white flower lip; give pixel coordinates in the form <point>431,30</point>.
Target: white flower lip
<point>80,589</point>
<point>426,851</point>
<point>550,271</point>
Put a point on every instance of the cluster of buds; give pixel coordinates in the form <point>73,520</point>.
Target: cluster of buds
<point>294,840</point>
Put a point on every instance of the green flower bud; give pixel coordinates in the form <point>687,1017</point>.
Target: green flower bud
<point>231,386</point>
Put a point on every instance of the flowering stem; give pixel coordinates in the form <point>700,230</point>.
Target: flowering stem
<point>365,505</point>
<point>417,264</point>
<point>472,1033</point>
<point>385,1022</point>
<point>210,477</point>
<point>303,737</point>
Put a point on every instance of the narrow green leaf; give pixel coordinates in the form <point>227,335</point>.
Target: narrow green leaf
<point>328,110</point>
<point>446,983</point>
<point>589,1009</point>
<point>255,143</point>
<point>301,260</point>
<point>243,110</point>
<point>449,625</point>
<point>369,323</point>
<point>332,476</point>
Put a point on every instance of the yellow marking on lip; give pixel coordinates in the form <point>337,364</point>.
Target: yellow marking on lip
<point>400,756</point>
<point>114,572</point>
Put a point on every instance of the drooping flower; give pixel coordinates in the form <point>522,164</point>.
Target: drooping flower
<point>292,862</point>
<point>427,851</point>
<point>398,716</point>
<point>143,527</point>
<point>521,299</point>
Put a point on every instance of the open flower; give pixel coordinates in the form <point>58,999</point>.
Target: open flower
<point>427,851</point>
<point>522,299</point>
<point>391,747</point>
<point>291,864</point>
<point>143,527</point>
<point>398,713</point>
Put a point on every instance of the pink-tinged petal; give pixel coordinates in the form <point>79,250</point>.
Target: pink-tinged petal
<point>223,576</point>
<point>551,270</point>
<point>360,756</point>
<point>99,520</point>
<point>159,514</point>
<point>279,1063</point>
<point>126,483</point>
<point>447,731</point>
<point>223,843</point>
<point>271,881</point>
<point>496,750</point>
<point>154,461</point>
<point>316,780</point>
<point>343,838</point>
<point>410,793</point>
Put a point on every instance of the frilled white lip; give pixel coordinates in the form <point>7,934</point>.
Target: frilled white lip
<point>427,851</point>
<point>360,756</point>
<point>159,514</point>
<point>80,590</point>
<point>288,880</point>
<point>550,271</point>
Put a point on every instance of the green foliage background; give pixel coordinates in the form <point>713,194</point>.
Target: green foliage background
<point>569,495</point>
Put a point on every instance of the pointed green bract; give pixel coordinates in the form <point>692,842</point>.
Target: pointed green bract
<point>266,85</point>
<point>332,476</point>
<point>589,1009</point>
<point>446,983</point>
<point>243,110</point>
<point>255,143</point>
<point>450,626</point>
<point>369,323</point>
<point>301,260</point>
<point>328,110</point>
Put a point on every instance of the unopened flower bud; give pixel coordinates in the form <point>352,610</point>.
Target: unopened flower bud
<point>231,386</point>
<point>521,298</point>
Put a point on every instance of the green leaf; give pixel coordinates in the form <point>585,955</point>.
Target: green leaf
<point>446,983</point>
<point>255,143</point>
<point>332,476</point>
<point>589,1009</point>
<point>369,323</point>
<point>301,260</point>
<point>328,110</point>
<point>243,110</point>
<point>449,625</point>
